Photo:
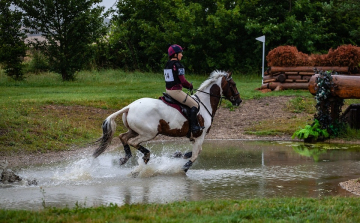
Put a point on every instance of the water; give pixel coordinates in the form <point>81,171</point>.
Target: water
<point>224,170</point>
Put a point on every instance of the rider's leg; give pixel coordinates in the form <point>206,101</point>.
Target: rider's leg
<point>185,99</point>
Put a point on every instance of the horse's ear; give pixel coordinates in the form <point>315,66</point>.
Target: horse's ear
<point>229,74</point>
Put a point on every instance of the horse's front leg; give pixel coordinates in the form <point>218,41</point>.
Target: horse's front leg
<point>197,147</point>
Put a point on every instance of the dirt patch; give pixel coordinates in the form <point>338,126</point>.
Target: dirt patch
<point>352,186</point>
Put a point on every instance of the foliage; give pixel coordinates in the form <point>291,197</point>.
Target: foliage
<point>221,34</point>
<point>38,62</point>
<point>327,106</point>
<point>314,131</point>
<point>12,46</point>
<point>306,150</point>
<point>344,55</point>
<point>282,56</point>
<point>69,27</point>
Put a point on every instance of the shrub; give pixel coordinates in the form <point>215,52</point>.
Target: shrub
<point>282,56</point>
<point>345,55</point>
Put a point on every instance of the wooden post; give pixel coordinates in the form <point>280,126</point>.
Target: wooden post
<point>346,87</point>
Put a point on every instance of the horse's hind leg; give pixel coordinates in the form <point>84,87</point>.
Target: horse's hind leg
<point>135,142</point>
<point>124,138</point>
<point>146,153</point>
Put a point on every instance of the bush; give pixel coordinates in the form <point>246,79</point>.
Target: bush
<point>38,62</point>
<point>345,55</point>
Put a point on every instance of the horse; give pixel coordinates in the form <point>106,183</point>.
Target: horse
<point>146,118</point>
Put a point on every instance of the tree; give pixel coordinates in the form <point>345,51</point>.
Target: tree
<point>69,28</point>
<point>12,46</point>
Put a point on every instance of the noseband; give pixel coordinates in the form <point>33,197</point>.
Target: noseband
<point>233,94</point>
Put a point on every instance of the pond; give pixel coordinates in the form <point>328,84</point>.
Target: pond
<point>226,169</point>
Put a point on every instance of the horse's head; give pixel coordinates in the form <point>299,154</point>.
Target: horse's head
<point>230,91</point>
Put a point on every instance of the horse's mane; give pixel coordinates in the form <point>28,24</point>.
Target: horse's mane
<point>214,76</point>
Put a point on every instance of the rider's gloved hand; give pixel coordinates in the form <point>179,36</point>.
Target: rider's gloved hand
<point>191,87</point>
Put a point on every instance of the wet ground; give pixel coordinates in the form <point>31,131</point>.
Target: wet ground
<point>226,169</point>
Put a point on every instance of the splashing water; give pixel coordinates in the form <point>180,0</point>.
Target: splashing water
<point>159,166</point>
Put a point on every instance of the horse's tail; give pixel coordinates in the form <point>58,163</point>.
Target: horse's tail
<point>109,127</point>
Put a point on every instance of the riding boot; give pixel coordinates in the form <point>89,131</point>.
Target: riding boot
<point>194,124</point>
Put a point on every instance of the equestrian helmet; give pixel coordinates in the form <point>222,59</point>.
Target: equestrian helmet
<point>173,49</point>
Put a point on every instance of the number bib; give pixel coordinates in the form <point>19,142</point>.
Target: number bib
<point>168,74</point>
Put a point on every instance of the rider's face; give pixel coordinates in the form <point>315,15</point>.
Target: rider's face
<point>180,55</point>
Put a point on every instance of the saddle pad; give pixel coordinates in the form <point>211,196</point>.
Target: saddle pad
<point>176,106</point>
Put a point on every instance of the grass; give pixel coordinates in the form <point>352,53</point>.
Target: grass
<point>43,113</point>
<point>328,209</point>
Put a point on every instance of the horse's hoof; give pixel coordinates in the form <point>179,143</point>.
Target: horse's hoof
<point>177,154</point>
<point>187,166</point>
<point>187,155</point>
<point>146,158</point>
<point>123,160</point>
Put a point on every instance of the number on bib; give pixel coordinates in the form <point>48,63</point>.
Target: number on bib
<point>168,74</point>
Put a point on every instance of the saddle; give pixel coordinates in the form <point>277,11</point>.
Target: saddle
<point>183,109</point>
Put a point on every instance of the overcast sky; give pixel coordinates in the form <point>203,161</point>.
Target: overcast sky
<point>107,3</point>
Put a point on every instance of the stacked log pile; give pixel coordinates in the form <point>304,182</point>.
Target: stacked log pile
<point>282,78</point>
<point>291,69</point>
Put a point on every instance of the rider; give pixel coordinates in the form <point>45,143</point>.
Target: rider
<point>174,74</point>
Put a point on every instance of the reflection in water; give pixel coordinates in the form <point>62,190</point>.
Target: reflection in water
<point>308,151</point>
<point>224,170</point>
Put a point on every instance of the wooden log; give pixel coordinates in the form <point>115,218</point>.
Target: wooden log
<point>306,73</point>
<point>346,87</point>
<point>301,81</point>
<point>289,80</point>
<point>308,69</point>
<point>292,73</point>
<point>294,77</point>
<point>269,77</point>
<point>269,80</point>
<point>306,78</point>
<point>264,86</point>
<point>286,86</point>
<point>281,78</point>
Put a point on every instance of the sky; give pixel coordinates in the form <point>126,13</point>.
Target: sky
<point>107,3</point>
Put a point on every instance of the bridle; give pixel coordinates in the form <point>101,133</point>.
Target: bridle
<point>232,97</point>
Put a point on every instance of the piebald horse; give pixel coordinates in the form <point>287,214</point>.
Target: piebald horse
<point>146,118</point>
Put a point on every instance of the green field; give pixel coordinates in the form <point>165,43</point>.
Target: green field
<point>43,113</point>
<point>327,209</point>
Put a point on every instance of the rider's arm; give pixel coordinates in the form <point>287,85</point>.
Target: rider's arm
<point>184,82</point>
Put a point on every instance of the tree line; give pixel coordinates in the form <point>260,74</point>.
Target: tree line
<point>216,34</point>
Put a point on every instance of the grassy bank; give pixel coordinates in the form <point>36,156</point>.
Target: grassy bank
<point>43,113</point>
<point>330,209</point>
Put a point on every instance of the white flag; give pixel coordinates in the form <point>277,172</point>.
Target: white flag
<point>261,39</point>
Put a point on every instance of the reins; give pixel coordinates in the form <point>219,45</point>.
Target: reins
<point>221,97</point>
<point>199,101</point>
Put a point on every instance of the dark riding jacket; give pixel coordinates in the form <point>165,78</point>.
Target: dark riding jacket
<point>174,74</point>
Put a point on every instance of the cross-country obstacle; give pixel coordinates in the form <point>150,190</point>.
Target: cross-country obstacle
<point>345,87</point>
<point>283,78</point>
